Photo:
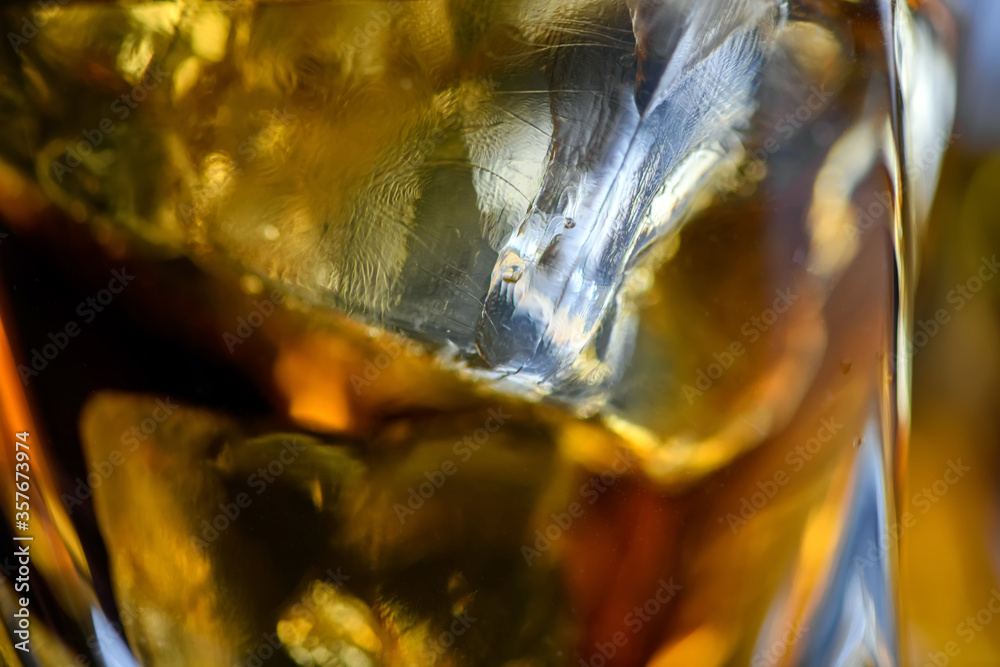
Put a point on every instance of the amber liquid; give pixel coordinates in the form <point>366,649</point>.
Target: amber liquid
<point>380,500</point>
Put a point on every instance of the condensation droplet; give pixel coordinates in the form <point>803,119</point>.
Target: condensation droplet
<point>512,274</point>
<point>271,232</point>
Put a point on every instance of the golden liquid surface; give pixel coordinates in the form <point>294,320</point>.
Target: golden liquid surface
<point>391,494</point>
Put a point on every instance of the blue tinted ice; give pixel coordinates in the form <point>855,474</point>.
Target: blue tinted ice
<point>633,140</point>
